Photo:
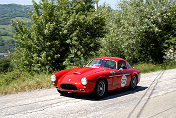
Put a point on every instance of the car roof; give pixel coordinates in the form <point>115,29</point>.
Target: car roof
<point>110,58</point>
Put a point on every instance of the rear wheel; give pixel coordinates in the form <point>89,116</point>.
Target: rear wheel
<point>133,83</point>
<point>100,88</point>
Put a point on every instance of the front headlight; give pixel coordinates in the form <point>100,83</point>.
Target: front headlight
<point>53,78</point>
<point>84,81</point>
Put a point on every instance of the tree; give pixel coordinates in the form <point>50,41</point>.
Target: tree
<point>139,30</point>
<point>68,29</point>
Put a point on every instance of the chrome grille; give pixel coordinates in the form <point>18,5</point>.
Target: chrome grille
<point>68,86</point>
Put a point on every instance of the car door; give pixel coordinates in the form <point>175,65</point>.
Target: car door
<point>116,79</point>
<point>124,74</point>
<point>118,75</point>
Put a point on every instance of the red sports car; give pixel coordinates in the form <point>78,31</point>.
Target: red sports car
<point>99,76</point>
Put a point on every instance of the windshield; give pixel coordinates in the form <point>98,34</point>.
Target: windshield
<point>103,63</point>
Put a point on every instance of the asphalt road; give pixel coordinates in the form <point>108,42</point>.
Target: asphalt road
<point>155,97</point>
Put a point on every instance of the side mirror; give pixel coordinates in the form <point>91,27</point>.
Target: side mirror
<point>121,69</point>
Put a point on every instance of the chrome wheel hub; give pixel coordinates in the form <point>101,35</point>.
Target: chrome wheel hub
<point>134,82</point>
<point>101,88</point>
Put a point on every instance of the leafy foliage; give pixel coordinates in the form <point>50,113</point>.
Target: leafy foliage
<point>141,30</point>
<point>71,31</point>
<point>58,33</point>
<point>5,65</point>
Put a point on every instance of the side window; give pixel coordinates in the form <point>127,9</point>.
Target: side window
<point>128,66</point>
<point>110,64</point>
<point>122,64</point>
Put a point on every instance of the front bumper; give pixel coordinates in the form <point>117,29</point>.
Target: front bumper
<point>75,87</point>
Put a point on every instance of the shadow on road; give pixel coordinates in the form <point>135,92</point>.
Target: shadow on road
<point>110,95</point>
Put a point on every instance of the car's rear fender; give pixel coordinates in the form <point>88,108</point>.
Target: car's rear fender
<point>137,75</point>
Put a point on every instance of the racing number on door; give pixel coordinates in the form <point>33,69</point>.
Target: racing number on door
<point>123,81</point>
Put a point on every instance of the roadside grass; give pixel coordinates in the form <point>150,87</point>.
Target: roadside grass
<point>17,81</point>
<point>148,67</point>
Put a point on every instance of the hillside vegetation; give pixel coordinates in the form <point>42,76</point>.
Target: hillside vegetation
<point>69,33</point>
<point>10,12</point>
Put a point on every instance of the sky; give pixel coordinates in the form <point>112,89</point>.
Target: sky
<point>112,3</point>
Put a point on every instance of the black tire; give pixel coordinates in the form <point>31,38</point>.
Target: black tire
<point>133,83</point>
<point>62,92</point>
<point>100,89</point>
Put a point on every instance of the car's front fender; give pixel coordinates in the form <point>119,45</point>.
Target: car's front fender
<point>61,73</point>
<point>93,78</point>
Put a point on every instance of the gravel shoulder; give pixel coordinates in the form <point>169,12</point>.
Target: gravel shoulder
<point>155,97</point>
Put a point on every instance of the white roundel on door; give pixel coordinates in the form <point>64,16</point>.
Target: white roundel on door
<point>123,81</point>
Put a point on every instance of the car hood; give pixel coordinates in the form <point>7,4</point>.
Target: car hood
<point>86,70</point>
<point>78,73</point>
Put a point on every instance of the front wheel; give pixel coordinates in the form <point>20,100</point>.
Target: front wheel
<point>100,89</point>
<point>133,83</point>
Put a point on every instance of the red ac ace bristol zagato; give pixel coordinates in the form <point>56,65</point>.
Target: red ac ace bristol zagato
<point>99,76</point>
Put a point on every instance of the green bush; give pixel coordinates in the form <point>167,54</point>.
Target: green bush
<point>140,30</point>
<point>5,65</point>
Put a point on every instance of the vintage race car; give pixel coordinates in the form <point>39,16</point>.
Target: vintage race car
<point>99,76</point>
